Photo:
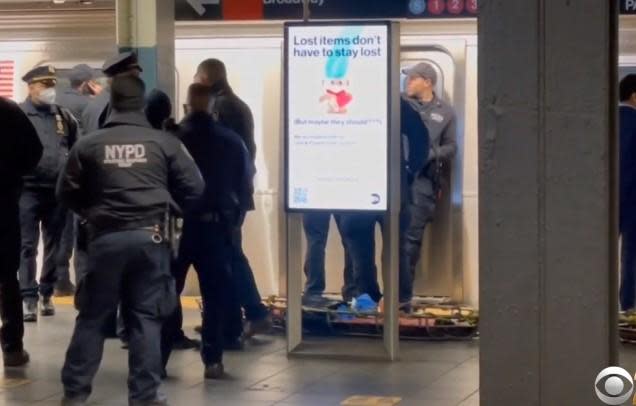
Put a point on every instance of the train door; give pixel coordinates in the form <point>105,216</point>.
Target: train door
<point>434,274</point>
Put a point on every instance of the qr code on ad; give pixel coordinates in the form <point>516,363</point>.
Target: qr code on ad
<point>300,195</point>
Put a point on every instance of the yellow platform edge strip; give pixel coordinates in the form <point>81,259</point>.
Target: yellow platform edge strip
<point>187,302</point>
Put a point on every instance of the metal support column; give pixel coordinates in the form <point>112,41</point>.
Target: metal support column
<point>547,157</point>
<point>147,27</point>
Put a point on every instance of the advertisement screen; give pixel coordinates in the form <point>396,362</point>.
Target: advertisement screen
<point>337,88</point>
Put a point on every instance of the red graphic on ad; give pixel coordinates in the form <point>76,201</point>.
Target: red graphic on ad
<point>471,6</point>
<point>336,96</point>
<point>436,6</point>
<point>455,6</point>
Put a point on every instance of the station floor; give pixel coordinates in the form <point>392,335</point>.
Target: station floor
<point>430,373</point>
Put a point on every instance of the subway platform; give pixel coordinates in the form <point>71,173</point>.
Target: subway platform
<point>431,373</point>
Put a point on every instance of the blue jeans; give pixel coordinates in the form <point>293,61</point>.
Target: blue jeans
<point>360,231</point>
<point>316,226</point>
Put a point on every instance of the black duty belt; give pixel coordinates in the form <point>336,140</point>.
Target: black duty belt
<point>150,225</point>
<point>221,216</point>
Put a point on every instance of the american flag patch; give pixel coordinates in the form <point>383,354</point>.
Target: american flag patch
<point>6,79</point>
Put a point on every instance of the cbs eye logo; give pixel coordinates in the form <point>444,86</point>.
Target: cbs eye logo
<point>614,386</point>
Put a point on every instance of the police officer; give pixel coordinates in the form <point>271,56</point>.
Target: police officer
<point>94,117</point>
<point>439,119</point>
<point>20,153</point>
<point>207,233</point>
<point>57,130</point>
<point>96,112</point>
<point>75,98</point>
<point>82,87</point>
<point>230,111</point>
<point>123,179</point>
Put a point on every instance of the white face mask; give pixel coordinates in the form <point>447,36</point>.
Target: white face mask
<point>47,96</point>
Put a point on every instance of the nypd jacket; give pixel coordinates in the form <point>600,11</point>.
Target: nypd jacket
<point>21,148</point>
<point>57,130</point>
<point>127,174</point>
<point>224,162</point>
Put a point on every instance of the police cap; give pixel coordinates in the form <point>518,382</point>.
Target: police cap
<point>45,73</point>
<point>81,73</point>
<point>121,63</point>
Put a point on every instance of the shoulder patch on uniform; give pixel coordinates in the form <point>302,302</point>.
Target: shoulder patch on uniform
<point>437,117</point>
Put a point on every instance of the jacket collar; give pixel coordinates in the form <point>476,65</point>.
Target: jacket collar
<point>198,116</point>
<point>31,110</point>
<point>136,118</point>
<point>220,88</point>
<point>198,119</point>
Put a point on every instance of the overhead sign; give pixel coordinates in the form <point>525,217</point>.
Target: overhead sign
<point>628,6</point>
<point>337,116</point>
<point>322,9</point>
<point>228,10</point>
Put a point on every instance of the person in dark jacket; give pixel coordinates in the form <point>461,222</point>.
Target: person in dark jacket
<point>20,153</point>
<point>74,98</point>
<point>627,188</point>
<point>359,228</point>
<point>158,108</point>
<point>96,112</point>
<point>125,180</point>
<point>57,130</point>
<point>82,86</point>
<point>231,112</point>
<point>207,233</point>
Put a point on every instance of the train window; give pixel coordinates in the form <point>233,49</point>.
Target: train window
<point>625,70</point>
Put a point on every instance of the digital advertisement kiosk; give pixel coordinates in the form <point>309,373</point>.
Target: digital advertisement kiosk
<point>342,151</point>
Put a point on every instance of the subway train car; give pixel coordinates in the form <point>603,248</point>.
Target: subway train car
<point>253,53</point>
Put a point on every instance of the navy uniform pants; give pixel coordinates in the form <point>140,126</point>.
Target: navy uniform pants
<point>125,267</point>
<point>12,329</point>
<point>316,226</point>
<point>421,209</point>
<point>207,246</point>
<point>67,244</point>
<point>39,205</point>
